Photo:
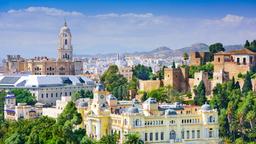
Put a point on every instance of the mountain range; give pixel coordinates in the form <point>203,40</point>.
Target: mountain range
<point>165,52</point>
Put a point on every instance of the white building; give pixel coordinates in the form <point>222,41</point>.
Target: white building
<point>47,88</point>
<point>21,110</point>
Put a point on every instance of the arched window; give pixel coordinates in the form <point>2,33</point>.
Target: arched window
<point>66,41</point>
<point>172,134</point>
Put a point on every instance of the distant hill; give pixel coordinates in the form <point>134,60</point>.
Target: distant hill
<point>168,52</point>
<point>164,52</point>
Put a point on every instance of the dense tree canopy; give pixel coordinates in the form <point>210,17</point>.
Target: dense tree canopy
<point>115,83</point>
<point>133,138</point>
<point>44,129</point>
<point>251,46</point>
<point>2,95</point>
<point>24,96</point>
<point>214,48</point>
<point>164,94</point>
<point>247,83</point>
<point>206,68</point>
<point>142,72</point>
<point>82,94</point>
<point>200,94</point>
<point>237,115</point>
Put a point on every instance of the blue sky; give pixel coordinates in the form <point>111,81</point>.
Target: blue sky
<point>180,8</point>
<point>30,27</point>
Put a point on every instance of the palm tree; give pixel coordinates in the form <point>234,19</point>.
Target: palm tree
<point>133,138</point>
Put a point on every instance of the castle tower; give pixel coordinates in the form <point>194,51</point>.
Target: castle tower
<point>65,50</point>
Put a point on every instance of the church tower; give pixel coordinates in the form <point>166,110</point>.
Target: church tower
<point>65,50</point>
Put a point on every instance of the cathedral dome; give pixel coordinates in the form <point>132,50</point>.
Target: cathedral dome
<point>205,107</point>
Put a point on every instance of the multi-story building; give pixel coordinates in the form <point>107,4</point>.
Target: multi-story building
<point>47,88</point>
<point>64,65</point>
<point>156,123</point>
<point>21,110</point>
<point>234,62</point>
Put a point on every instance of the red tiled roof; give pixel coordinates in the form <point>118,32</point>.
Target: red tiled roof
<point>243,51</point>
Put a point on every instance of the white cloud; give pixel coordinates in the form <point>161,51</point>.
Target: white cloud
<point>45,10</point>
<point>34,30</point>
<point>232,18</point>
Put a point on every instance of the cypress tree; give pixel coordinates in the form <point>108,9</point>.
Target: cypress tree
<point>200,97</point>
<point>173,64</point>
<point>247,44</point>
<point>247,83</point>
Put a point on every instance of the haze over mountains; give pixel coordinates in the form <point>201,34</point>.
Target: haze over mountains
<point>164,52</point>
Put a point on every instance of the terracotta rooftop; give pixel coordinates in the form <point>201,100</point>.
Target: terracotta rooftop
<point>243,51</point>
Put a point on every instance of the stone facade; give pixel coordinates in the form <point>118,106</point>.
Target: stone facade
<point>149,85</point>
<point>64,65</point>
<point>177,78</point>
<point>234,62</point>
<point>198,58</point>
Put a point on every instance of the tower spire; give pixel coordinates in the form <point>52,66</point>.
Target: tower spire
<point>65,22</point>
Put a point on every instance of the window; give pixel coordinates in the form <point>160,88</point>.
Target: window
<point>56,94</point>
<point>151,136</point>
<point>238,60</point>
<point>156,136</point>
<point>162,135</point>
<point>210,133</point>
<point>172,134</point>
<point>42,95</point>
<point>244,61</point>
<point>51,94</point>
<point>218,59</point>
<point>66,41</point>
<point>187,134</point>
<point>211,119</point>
<point>198,133</point>
<point>146,136</point>
<point>47,95</point>
<point>250,60</point>
<point>182,134</point>
<point>193,134</point>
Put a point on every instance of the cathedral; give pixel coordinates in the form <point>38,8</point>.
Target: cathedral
<point>63,65</point>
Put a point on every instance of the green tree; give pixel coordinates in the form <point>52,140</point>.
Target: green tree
<point>115,83</point>
<point>144,96</point>
<point>185,56</point>
<point>253,45</point>
<point>109,139</point>
<point>200,96</point>
<point>82,94</point>
<point>133,138</point>
<point>87,140</point>
<point>64,129</point>
<point>24,96</point>
<point>142,72</point>
<point>247,83</point>
<point>173,65</point>
<point>206,68</point>
<point>247,44</point>
<point>223,122</point>
<point>2,95</point>
<point>214,48</point>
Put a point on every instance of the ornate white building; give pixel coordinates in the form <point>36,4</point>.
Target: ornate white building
<point>156,123</point>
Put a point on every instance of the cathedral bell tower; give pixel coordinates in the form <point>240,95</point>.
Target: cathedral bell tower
<point>65,50</point>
